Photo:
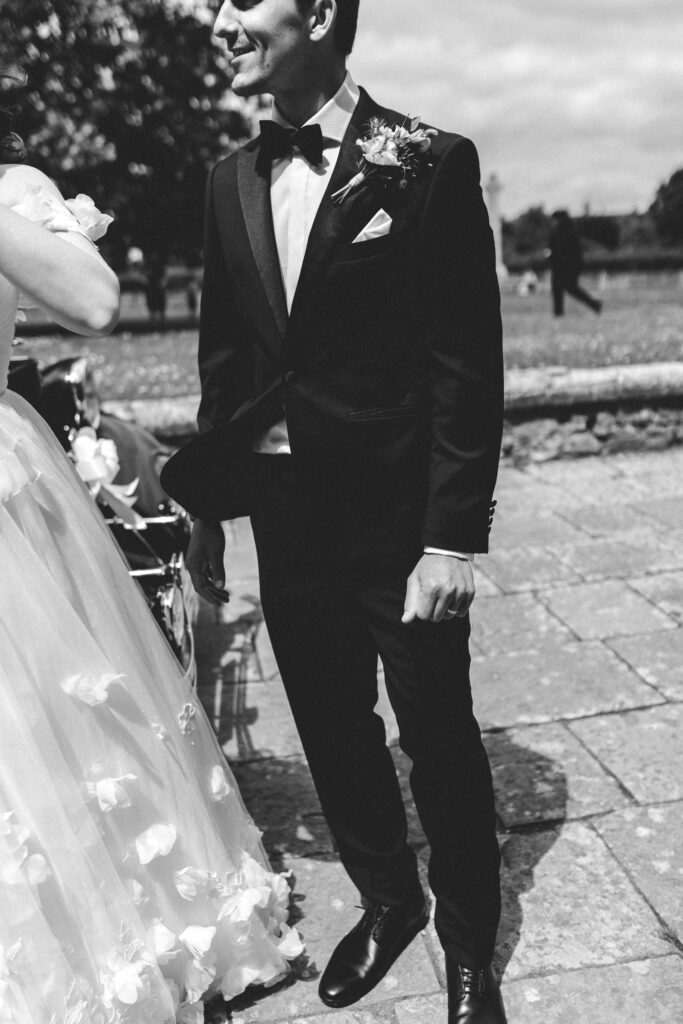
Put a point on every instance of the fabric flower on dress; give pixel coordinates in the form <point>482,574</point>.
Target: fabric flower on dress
<point>160,731</point>
<point>129,983</point>
<point>198,978</point>
<point>193,882</point>
<point>164,943</point>
<point>138,894</point>
<point>157,841</point>
<point>128,978</point>
<point>90,690</point>
<point>187,719</point>
<point>240,904</point>
<point>198,940</point>
<point>279,898</point>
<point>111,792</point>
<point>93,223</point>
<point>50,211</point>
<point>97,464</point>
<point>290,944</point>
<point>218,784</point>
<point>237,979</point>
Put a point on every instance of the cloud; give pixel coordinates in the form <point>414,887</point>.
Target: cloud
<point>568,103</point>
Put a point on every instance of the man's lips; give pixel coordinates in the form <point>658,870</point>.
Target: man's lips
<point>241,52</point>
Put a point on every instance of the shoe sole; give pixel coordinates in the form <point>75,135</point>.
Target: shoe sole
<point>340,1003</point>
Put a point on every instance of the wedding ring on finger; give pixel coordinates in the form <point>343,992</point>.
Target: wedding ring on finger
<point>450,613</point>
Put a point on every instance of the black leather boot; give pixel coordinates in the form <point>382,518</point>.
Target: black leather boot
<point>364,956</point>
<point>473,996</point>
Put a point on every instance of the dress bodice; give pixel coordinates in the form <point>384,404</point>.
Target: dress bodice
<point>9,298</point>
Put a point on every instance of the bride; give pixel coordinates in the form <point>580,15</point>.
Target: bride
<point>132,881</point>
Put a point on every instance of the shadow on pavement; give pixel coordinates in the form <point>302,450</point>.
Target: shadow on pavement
<point>279,793</point>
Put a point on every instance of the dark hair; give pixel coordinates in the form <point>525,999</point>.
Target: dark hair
<point>345,26</point>
<point>12,148</point>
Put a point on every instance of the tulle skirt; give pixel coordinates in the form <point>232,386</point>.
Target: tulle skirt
<point>132,880</point>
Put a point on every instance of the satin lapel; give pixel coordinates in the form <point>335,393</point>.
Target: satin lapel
<point>338,223</point>
<point>254,190</point>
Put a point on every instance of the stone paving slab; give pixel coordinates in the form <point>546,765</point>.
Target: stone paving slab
<point>641,748</point>
<point>532,498</point>
<point>648,843</point>
<point>567,904</point>
<point>544,774</point>
<point>668,511</point>
<point>631,554</point>
<point>528,568</point>
<point>665,590</point>
<point>340,1017</point>
<point>576,680</point>
<point>658,658</point>
<point>484,587</point>
<point>516,531</point>
<point>605,609</point>
<point>328,908</point>
<point>599,521</point>
<point>516,623</point>
<point>644,992</point>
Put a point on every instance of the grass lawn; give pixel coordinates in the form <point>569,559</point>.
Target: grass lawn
<point>642,322</point>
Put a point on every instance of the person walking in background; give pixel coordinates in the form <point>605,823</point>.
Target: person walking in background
<point>155,292</point>
<point>566,264</point>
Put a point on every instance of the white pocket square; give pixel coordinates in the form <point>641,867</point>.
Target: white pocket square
<point>379,225</point>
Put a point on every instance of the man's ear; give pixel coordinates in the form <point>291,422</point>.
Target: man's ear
<point>322,18</point>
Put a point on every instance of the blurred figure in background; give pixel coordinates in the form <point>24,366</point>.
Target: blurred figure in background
<point>155,292</point>
<point>566,264</point>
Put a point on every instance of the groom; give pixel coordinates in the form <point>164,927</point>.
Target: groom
<point>350,359</point>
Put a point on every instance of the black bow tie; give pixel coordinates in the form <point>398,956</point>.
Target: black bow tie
<point>277,141</point>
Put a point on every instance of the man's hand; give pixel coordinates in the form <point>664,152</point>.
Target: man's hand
<point>205,561</point>
<point>439,587</point>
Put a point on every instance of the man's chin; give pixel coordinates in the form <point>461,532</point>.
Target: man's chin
<point>246,85</point>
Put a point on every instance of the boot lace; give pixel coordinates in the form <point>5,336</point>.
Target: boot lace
<point>472,983</point>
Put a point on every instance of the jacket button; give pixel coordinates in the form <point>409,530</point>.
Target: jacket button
<point>290,377</point>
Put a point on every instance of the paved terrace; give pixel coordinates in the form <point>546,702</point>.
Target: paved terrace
<point>578,683</point>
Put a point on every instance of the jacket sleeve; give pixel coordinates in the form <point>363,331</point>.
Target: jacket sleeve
<point>464,357</point>
<point>225,362</point>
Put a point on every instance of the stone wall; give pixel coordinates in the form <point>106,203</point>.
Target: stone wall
<point>567,434</point>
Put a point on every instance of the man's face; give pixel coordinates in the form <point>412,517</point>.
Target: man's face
<point>269,42</point>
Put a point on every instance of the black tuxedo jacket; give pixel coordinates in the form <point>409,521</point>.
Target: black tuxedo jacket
<point>389,368</point>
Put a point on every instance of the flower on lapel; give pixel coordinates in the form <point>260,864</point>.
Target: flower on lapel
<point>385,150</point>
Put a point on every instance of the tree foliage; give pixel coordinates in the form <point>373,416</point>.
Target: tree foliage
<point>128,101</point>
<point>667,208</point>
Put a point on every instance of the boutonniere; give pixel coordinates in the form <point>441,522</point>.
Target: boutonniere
<point>386,151</point>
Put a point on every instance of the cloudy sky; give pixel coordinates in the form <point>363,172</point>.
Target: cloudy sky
<point>569,101</point>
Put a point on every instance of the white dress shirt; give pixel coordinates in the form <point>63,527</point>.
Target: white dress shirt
<point>296,191</point>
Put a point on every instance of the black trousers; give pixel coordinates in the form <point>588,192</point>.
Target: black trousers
<point>332,590</point>
<point>569,283</point>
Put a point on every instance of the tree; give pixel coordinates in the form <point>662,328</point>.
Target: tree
<point>667,208</point>
<point>529,232</point>
<point>127,100</point>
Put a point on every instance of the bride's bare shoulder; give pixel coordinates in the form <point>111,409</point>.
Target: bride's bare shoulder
<point>15,179</point>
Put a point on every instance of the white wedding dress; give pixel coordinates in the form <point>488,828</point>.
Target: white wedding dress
<point>132,880</point>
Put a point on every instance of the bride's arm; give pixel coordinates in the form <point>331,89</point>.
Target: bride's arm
<point>63,272</point>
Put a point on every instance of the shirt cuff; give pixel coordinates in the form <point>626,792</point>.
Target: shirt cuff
<point>466,556</point>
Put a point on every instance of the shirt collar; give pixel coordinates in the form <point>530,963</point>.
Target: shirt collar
<point>334,118</point>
